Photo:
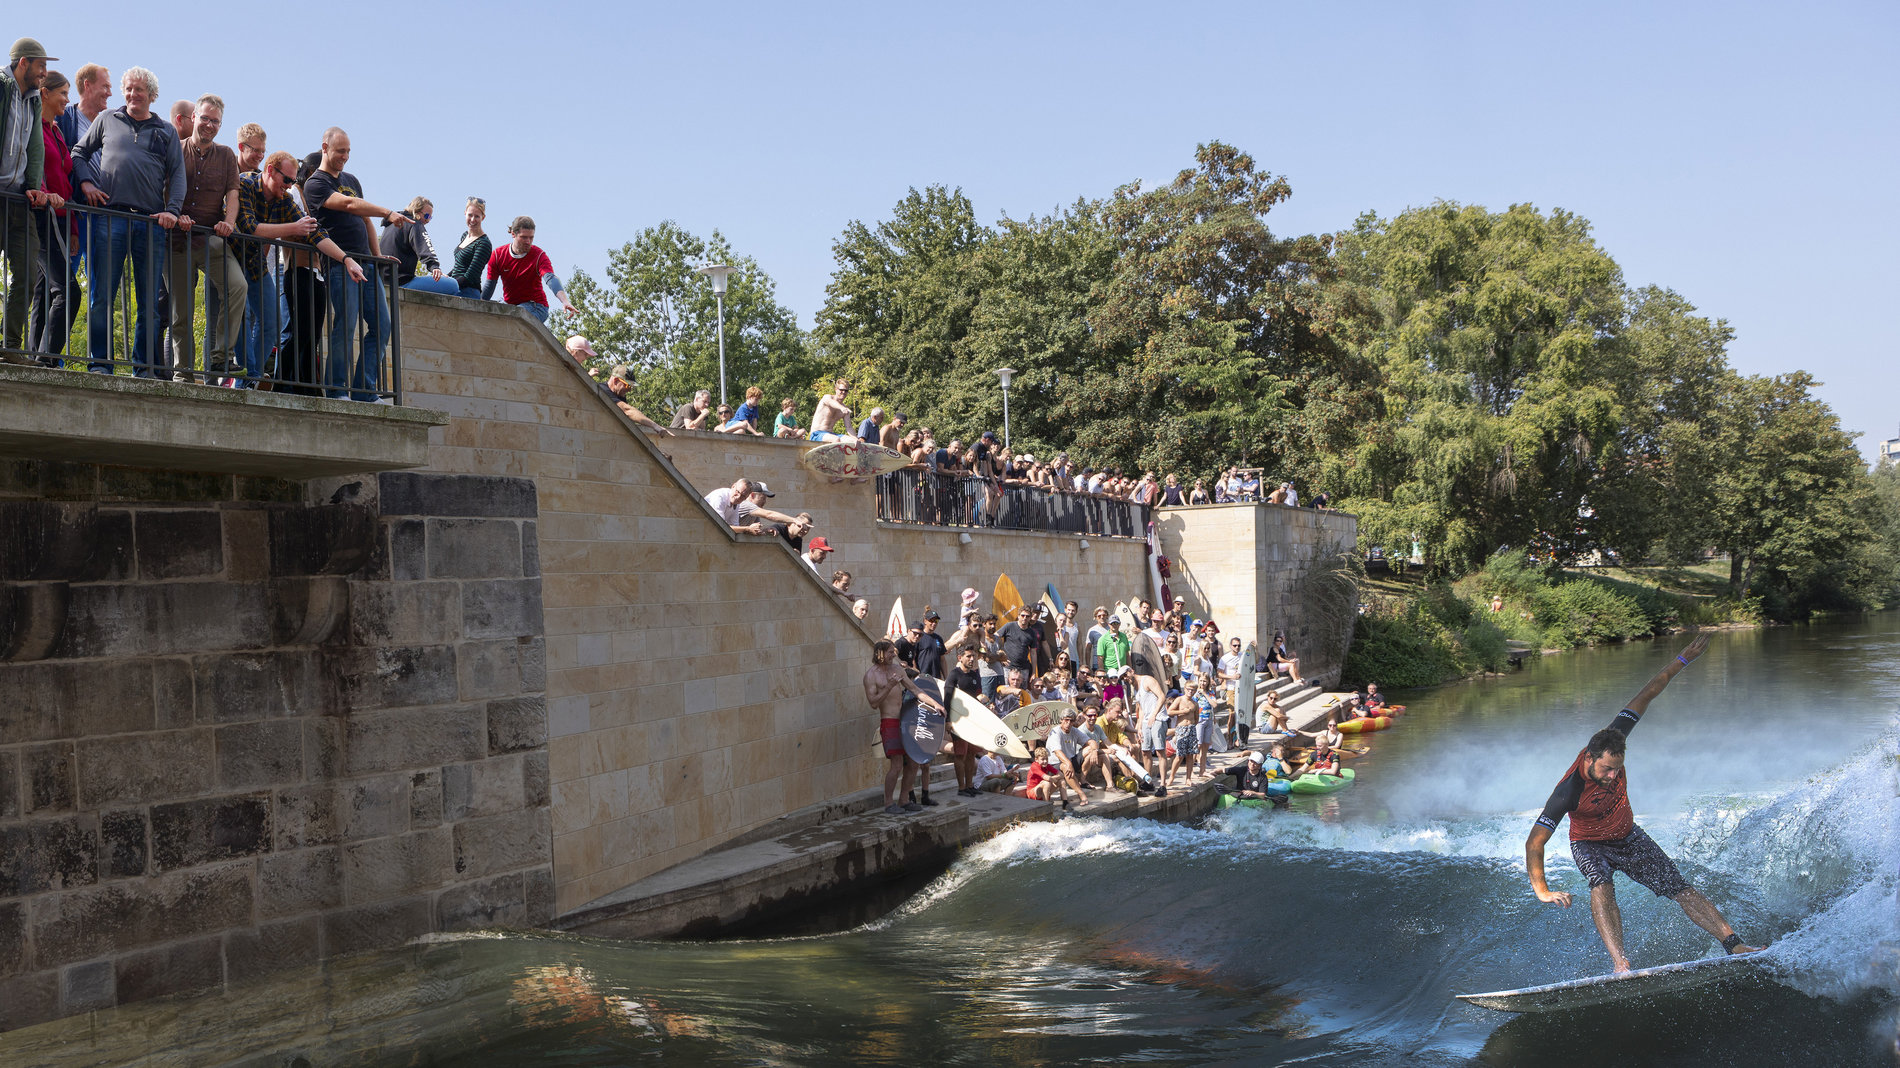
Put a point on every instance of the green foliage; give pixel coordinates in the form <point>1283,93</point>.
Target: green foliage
<point>660,317</point>
<point>1402,646</point>
<point>1586,612</point>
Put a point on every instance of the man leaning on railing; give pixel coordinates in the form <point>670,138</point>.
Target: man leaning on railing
<point>22,174</point>
<point>211,200</point>
<point>267,210</point>
<point>129,161</point>
<point>335,197</point>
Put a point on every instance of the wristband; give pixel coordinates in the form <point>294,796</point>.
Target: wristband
<point>1681,661</point>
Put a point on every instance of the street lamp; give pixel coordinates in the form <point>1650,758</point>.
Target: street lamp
<point>1006,373</point>
<point>718,272</point>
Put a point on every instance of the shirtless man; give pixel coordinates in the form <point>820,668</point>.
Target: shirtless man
<point>831,409</point>
<point>884,685</point>
<point>1604,837</point>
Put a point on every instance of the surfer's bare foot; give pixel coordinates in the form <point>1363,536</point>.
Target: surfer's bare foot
<point>1739,948</point>
<point>1619,965</point>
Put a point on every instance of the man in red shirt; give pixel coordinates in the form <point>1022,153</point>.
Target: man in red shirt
<point>1604,837</point>
<point>520,266</point>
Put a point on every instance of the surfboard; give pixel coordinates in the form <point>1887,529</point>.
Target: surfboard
<point>852,460</point>
<point>1245,691</point>
<point>923,730</point>
<point>1034,720</point>
<point>1160,588</point>
<point>1601,989</point>
<point>973,723</point>
<point>1145,657</point>
<point>1122,613</point>
<point>897,625</point>
<point>1005,600</point>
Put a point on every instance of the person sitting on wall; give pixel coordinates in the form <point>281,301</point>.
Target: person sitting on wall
<point>619,382</point>
<point>693,414</point>
<point>746,419</point>
<point>831,411</point>
<point>786,425</point>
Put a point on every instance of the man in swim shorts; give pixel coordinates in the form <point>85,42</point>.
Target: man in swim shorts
<point>1604,837</point>
<point>832,413</point>
<point>884,685</point>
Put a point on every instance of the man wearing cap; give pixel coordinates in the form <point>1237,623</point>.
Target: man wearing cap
<point>22,171</point>
<point>930,646</point>
<point>789,528</point>
<point>1257,777</point>
<point>1111,650</point>
<point>815,553</point>
<point>619,381</point>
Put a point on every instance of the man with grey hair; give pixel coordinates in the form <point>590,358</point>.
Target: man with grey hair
<point>22,172</point>
<point>335,198</point>
<point>692,415</point>
<point>868,430</point>
<point>726,501</point>
<point>129,161</point>
<point>211,199</point>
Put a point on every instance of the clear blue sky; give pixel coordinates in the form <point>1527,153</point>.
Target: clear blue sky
<point>1741,154</point>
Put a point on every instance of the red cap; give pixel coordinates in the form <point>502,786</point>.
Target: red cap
<point>821,545</point>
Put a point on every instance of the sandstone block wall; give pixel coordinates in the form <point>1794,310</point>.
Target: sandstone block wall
<point>241,732</point>
<point>699,684</point>
<point>1268,567</point>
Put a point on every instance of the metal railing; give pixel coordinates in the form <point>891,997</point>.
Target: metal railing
<point>917,495</point>
<point>101,290</point>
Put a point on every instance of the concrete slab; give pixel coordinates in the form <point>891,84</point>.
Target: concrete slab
<point>134,422</point>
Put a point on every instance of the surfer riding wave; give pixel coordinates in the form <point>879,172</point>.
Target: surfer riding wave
<point>1604,837</point>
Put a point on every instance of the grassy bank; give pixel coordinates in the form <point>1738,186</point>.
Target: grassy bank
<point>1415,633</point>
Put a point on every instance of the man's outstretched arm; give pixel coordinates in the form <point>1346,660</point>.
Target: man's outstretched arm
<point>1640,703</point>
<point>1534,862</point>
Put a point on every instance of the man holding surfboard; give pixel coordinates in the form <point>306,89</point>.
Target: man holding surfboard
<point>1604,837</point>
<point>884,685</point>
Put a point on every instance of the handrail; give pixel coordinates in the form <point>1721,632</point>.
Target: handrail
<point>959,499</point>
<point>293,349</point>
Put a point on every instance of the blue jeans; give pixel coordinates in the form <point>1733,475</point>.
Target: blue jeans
<point>471,292</point>
<point>114,237</point>
<point>352,303</point>
<point>263,325</point>
<point>446,286</point>
<point>538,310</point>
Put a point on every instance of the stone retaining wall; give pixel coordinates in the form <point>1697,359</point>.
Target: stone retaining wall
<point>241,732</point>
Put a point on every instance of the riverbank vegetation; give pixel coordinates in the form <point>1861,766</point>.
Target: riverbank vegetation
<point>1476,381</point>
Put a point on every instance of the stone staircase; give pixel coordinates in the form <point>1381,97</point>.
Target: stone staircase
<point>1306,706</point>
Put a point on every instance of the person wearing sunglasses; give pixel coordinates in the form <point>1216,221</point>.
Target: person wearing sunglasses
<point>411,248</point>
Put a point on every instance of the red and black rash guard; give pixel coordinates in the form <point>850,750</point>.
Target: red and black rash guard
<point>1598,812</point>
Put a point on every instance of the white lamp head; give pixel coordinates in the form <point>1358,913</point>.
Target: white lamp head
<point>1006,373</point>
<point>717,272</point>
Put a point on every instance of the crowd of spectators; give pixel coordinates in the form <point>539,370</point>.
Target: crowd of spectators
<point>1119,732</point>
<point>297,281</point>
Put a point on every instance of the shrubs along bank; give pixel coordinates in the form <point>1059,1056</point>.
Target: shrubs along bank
<point>1450,630</point>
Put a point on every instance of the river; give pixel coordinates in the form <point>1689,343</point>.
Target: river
<point>1335,932</point>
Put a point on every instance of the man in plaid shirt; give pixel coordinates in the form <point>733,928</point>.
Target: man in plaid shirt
<point>266,209</point>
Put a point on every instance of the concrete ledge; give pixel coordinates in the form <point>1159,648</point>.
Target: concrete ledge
<point>134,422</point>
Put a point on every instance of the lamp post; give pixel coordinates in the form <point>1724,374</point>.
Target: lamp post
<point>1006,373</point>
<point>718,272</point>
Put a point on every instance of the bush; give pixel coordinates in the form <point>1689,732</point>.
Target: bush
<point>1486,647</point>
<point>1402,647</point>
<point>1583,612</point>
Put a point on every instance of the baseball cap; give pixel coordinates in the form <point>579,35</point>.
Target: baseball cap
<point>620,371</point>
<point>28,48</point>
<point>930,616</point>
<point>989,435</point>
<point>820,544</point>
<point>760,487</point>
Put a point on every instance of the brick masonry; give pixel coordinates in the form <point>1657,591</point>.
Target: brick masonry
<point>242,730</point>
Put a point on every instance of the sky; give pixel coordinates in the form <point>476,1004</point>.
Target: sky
<point>1741,154</point>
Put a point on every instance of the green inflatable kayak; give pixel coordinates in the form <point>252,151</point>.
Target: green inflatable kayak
<point>1322,784</point>
<point>1276,788</point>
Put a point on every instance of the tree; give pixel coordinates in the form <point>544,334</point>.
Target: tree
<point>660,317</point>
<point>1496,337</point>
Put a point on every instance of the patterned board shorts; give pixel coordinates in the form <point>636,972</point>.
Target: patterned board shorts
<point>1185,738</point>
<point>1635,855</point>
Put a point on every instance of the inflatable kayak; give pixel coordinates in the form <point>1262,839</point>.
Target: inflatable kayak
<point>1365,724</point>
<point>1322,784</point>
<point>1389,710</point>
<point>1276,788</point>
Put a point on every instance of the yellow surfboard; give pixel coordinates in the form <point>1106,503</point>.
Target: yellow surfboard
<point>1005,600</point>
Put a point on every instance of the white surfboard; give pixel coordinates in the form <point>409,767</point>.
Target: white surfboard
<point>896,626</point>
<point>973,723</point>
<point>1034,720</point>
<point>1601,989</point>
